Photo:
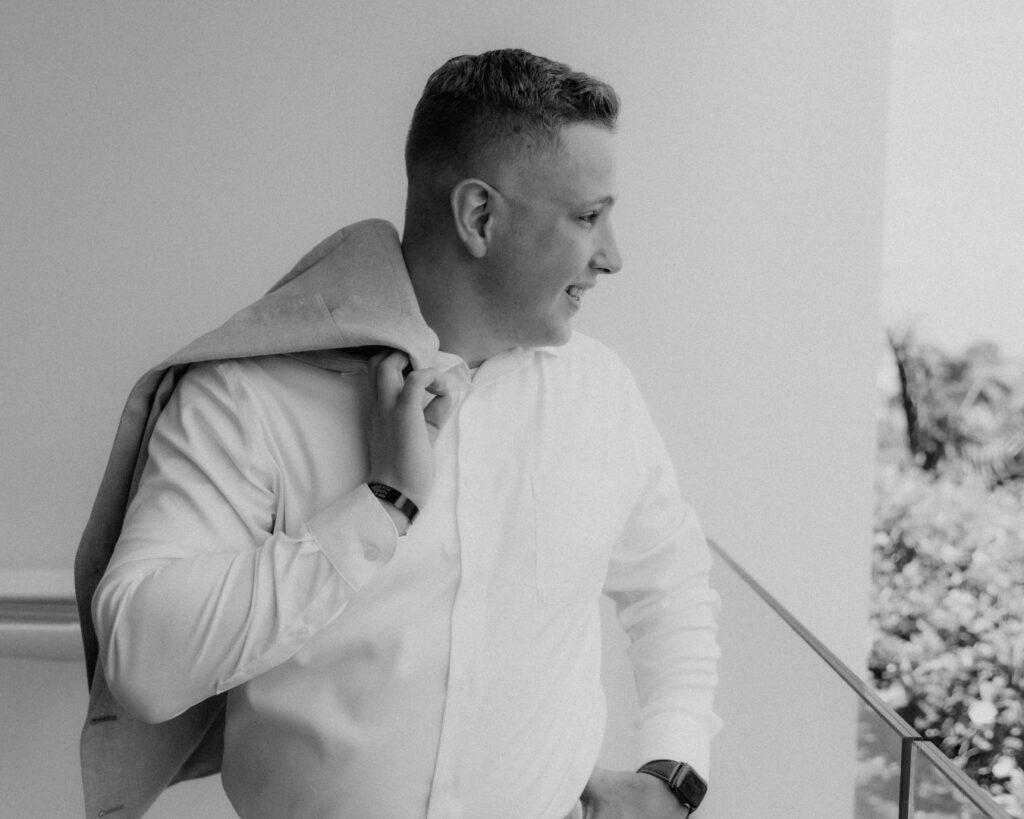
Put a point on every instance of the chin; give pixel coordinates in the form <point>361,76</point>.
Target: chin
<point>554,336</point>
<point>541,334</point>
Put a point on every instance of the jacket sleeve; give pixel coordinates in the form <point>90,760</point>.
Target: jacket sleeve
<point>203,591</point>
<point>658,579</point>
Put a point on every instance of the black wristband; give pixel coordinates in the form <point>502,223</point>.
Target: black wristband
<point>396,499</point>
<point>684,782</point>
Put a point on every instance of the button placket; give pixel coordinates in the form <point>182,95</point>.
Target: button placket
<point>460,699</point>
<point>466,638</point>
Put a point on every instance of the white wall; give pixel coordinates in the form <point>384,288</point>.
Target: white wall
<point>752,315</point>
<point>955,172</point>
<point>162,164</point>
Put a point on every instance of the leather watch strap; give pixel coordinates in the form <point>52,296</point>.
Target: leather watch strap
<point>684,782</point>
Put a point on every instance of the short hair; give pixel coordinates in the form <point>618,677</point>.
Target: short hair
<point>493,104</point>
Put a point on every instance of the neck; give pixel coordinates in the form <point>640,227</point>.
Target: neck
<point>441,281</point>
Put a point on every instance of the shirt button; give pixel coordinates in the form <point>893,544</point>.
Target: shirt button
<point>371,553</point>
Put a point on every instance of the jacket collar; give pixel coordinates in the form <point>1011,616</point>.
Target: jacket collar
<point>360,275</point>
<point>350,292</point>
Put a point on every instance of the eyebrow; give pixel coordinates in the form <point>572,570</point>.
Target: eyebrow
<point>604,200</point>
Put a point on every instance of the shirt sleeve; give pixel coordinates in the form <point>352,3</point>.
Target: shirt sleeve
<point>203,592</point>
<point>658,578</point>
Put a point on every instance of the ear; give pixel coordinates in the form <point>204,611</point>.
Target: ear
<point>472,202</point>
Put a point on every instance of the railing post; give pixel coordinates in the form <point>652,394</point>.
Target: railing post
<point>907,778</point>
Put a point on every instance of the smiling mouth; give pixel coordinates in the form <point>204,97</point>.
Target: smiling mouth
<point>574,292</point>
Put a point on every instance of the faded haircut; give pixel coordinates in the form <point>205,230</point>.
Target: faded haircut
<point>493,105</point>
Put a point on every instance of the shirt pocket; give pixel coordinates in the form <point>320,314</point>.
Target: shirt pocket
<point>575,525</point>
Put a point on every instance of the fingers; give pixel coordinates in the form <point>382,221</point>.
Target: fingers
<point>386,377</point>
<point>371,372</point>
<point>414,389</point>
<point>428,395</point>
<point>395,385</point>
<point>439,409</point>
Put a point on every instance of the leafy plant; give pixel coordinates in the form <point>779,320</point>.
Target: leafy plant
<point>948,607</point>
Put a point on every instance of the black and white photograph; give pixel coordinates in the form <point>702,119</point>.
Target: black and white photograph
<point>535,410</point>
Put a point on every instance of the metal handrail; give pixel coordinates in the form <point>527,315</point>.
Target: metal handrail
<point>910,739</point>
<point>38,615</point>
<point>38,610</point>
<point>966,786</point>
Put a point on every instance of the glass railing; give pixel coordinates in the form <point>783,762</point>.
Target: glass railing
<point>806,737</point>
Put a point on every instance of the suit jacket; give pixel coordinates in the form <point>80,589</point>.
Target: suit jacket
<point>351,291</point>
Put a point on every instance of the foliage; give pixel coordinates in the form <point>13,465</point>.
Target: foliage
<point>958,411</point>
<point>949,618</point>
<point>948,606</point>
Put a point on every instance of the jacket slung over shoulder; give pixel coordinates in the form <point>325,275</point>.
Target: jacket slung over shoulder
<point>351,291</point>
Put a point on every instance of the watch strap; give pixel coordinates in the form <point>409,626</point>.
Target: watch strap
<point>684,782</point>
<point>396,499</point>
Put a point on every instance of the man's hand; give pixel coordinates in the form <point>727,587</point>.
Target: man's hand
<point>628,795</point>
<point>406,414</point>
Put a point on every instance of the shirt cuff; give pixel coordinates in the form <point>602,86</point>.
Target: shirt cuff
<point>356,534</point>
<point>680,738</point>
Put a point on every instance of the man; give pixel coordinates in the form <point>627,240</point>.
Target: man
<point>376,515</point>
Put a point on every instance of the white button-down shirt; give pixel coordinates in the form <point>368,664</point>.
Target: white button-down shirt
<point>452,672</point>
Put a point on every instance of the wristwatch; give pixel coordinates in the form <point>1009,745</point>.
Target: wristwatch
<point>390,495</point>
<point>685,783</point>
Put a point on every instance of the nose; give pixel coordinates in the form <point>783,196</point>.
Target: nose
<point>607,258</point>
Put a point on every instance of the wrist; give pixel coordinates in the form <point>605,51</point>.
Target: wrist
<point>398,506</point>
<point>688,787</point>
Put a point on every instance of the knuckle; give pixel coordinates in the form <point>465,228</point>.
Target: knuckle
<point>393,360</point>
<point>420,378</point>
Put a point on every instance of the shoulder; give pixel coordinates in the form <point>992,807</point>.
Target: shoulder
<point>265,387</point>
<point>586,350</point>
<point>589,379</point>
<point>260,376</point>
<point>582,345</point>
<point>586,358</point>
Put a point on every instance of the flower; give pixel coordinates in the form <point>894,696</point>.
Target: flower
<point>982,713</point>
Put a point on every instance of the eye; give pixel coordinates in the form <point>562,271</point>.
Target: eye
<point>591,217</point>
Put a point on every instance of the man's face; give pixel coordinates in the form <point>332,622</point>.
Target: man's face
<point>555,239</point>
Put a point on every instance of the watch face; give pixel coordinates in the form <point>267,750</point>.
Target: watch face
<point>691,788</point>
<point>685,783</point>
